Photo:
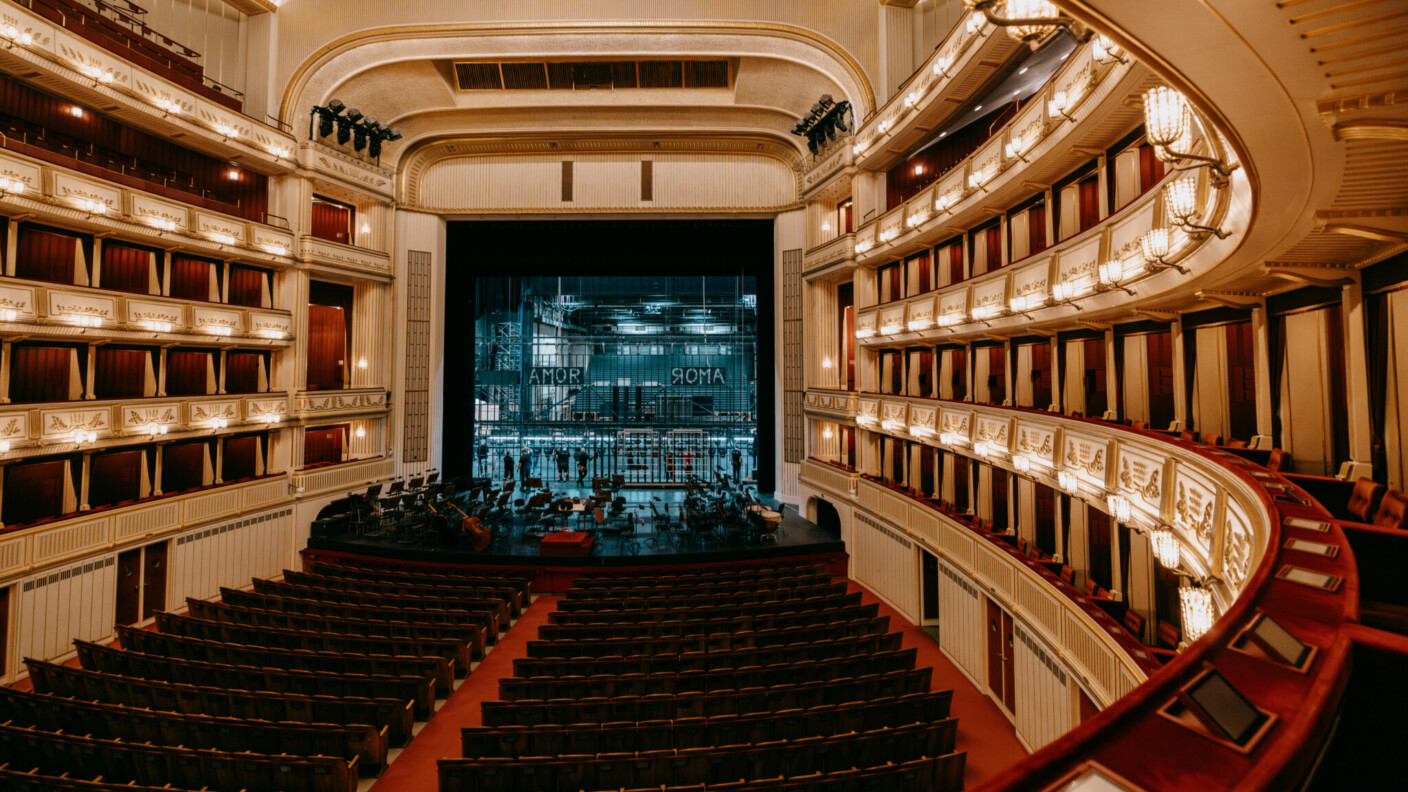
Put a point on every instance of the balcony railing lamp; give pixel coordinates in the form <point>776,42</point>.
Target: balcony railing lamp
<point>1197,610</point>
<point>1111,273</point>
<point>1181,204</point>
<point>1153,248</point>
<point>1106,50</point>
<point>1059,105</point>
<point>1168,123</point>
<point>1067,481</point>
<point>1029,21</point>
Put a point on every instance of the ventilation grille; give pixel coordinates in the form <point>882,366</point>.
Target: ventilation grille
<point>590,75</point>
<point>959,580</point>
<point>65,574</point>
<point>415,443</point>
<point>1039,651</point>
<point>894,536</point>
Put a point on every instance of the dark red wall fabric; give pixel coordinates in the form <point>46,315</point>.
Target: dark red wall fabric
<point>39,373</point>
<point>190,278</point>
<point>332,222</point>
<point>238,461</point>
<point>114,478</point>
<point>44,255</point>
<point>43,486</point>
<point>120,373</point>
<point>126,268</point>
<point>182,467</point>
<point>242,372</point>
<point>323,446</point>
<point>246,286</point>
<point>186,372</point>
<point>327,347</point>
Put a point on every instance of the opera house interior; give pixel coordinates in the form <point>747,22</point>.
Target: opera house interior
<point>703,395</point>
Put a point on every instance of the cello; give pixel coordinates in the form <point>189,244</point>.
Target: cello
<point>479,536</point>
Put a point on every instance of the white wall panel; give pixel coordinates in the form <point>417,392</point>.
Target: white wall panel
<point>229,555</point>
<point>1043,699</point>
<point>883,561</point>
<point>608,181</point>
<point>64,604</point>
<point>961,632</point>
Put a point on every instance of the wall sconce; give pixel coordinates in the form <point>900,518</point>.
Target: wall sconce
<point>98,76</point>
<point>946,201</point>
<point>216,424</point>
<point>1063,293</point>
<point>982,448</point>
<point>360,433</point>
<point>826,433</point>
<point>1026,302</point>
<point>941,65</point>
<point>228,132</point>
<point>11,186</point>
<point>864,245</point>
<point>952,318</point>
<point>1153,247</point>
<point>826,364</point>
<point>1106,50</point>
<point>1111,273</point>
<point>1022,463</point>
<point>1067,481</point>
<point>1030,21</point>
<point>168,106</point>
<point>277,250</point>
<point>977,179</point>
<point>1059,105</point>
<point>223,238</point>
<point>156,326</point>
<point>282,152</point>
<point>271,419</point>
<point>884,126</point>
<point>4,446</point>
<point>1168,123</point>
<point>83,320</point>
<point>1016,149</point>
<point>1119,508</point>
<point>8,314</point>
<point>14,35</point>
<point>81,436</point>
<point>91,206</point>
<point>826,226</point>
<point>362,363</point>
<point>952,439</point>
<point>1198,616</point>
<point>1165,547</point>
<point>865,332</point>
<point>1181,203</point>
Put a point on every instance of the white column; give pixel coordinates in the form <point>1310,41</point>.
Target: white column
<point>1180,381</point>
<point>1112,377</point>
<point>1261,356</point>
<point>1356,381</point>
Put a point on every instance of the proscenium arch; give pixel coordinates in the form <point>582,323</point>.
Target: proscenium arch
<point>321,71</point>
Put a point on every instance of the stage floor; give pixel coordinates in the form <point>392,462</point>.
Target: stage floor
<point>795,536</point>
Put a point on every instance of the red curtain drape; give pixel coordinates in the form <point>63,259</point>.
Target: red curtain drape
<point>239,458</point>
<point>332,222</point>
<point>120,373</point>
<point>190,278</point>
<point>1241,381</point>
<point>39,374</point>
<point>323,446</point>
<point>182,467</point>
<point>1036,229</point>
<point>1041,375</point>
<point>46,256</point>
<point>955,262</point>
<point>114,478</point>
<point>994,245</point>
<point>1089,194</point>
<point>327,347</point>
<point>42,488</point>
<point>126,268</point>
<point>242,372</point>
<point>925,281</point>
<point>246,286</point>
<point>1151,169</point>
<point>1096,396</point>
<point>186,372</point>
<point>997,374</point>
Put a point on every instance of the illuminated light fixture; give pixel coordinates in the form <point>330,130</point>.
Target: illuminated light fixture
<point>826,363</point>
<point>91,206</point>
<point>1028,21</point>
<point>891,425</point>
<point>978,178</point>
<point>860,147</point>
<point>84,320</point>
<point>975,22</point>
<point>982,312</point>
<point>219,330</point>
<point>97,75</point>
<point>952,318</point>
<point>864,245</point>
<point>228,132</point>
<point>155,429</point>
<point>1026,302</point>
<point>884,126</point>
<point>274,334</point>
<point>888,234</point>
<point>865,420</point>
<point>1165,547</point>
<point>232,174</point>
<point>826,433</point>
<point>1154,247</point>
<point>920,431</point>
<point>1168,123</point>
<point>157,327</point>
<point>161,224</point>
<point>982,448</point>
<point>282,152</point>
<point>1196,604</point>
<point>826,226</point>
<point>360,433</point>
<point>1022,463</point>
<point>218,423</point>
<point>1060,105</point>
<point>911,99</point>
<point>1119,508</point>
<point>919,169</point>
<point>14,35</point>
<point>865,332</point>
<point>952,439</point>
<point>362,363</point>
<point>919,324</point>
<point>941,65</point>
<point>890,328</point>
<point>1016,148</point>
<point>4,446</point>
<point>1111,273</point>
<point>277,250</point>
<point>1062,293</point>
<point>75,111</point>
<point>8,314</point>
<point>81,436</point>
<point>1067,481</point>
<point>222,237</point>
<point>271,419</point>
<point>1181,204</point>
<point>366,229</point>
<point>11,186</point>
<point>1105,50</point>
<point>916,219</point>
<point>169,106</point>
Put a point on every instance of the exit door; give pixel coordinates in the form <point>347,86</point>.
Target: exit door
<point>1001,661</point>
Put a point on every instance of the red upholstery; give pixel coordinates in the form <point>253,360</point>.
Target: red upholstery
<point>1168,635</point>
<point>1233,442</point>
<point>1393,510</point>
<point>1276,460</point>
<point>1091,586</point>
<point>1138,425</point>
<point>1068,574</point>
<point>1022,545</point>
<point>1213,440</point>
<point>1364,498</point>
<point>1187,436</point>
<point>1134,622</point>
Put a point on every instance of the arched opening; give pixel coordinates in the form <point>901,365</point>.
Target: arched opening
<point>827,518</point>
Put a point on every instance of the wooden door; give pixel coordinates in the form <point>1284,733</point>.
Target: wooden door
<point>129,586</point>
<point>929,576</point>
<point>153,579</point>
<point>999,497</point>
<point>1002,672</point>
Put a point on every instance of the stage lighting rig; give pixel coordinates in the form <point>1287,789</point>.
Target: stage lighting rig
<point>823,122</point>
<point>335,120</point>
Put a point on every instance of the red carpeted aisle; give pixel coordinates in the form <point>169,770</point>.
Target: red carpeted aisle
<point>414,769</point>
<point>983,731</point>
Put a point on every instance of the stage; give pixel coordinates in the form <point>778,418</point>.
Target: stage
<point>522,547</point>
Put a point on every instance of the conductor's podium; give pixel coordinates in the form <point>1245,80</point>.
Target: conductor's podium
<point>566,543</point>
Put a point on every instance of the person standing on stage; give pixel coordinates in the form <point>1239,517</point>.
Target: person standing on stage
<point>525,465</point>
<point>508,466</point>
<point>737,458</point>
<point>563,457</point>
<point>582,458</point>
<point>484,459</point>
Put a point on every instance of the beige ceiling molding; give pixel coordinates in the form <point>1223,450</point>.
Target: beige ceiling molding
<point>310,66</point>
<point>426,153</point>
<point>1372,130</point>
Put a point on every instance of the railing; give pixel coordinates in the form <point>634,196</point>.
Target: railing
<point>828,253</point>
<point>1228,515</point>
<point>352,401</point>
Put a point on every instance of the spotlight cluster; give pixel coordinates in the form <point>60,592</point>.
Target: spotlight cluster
<point>821,125</point>
<point>364,131</point>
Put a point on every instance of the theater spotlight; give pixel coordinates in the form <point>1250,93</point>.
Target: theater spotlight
<point>327,117</point>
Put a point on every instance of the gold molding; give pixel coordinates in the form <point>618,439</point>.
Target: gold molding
<point>1371,130</point>
<point>543,27</point>
<point>692,211</point>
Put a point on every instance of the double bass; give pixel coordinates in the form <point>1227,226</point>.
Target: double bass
<point>479,536</point>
